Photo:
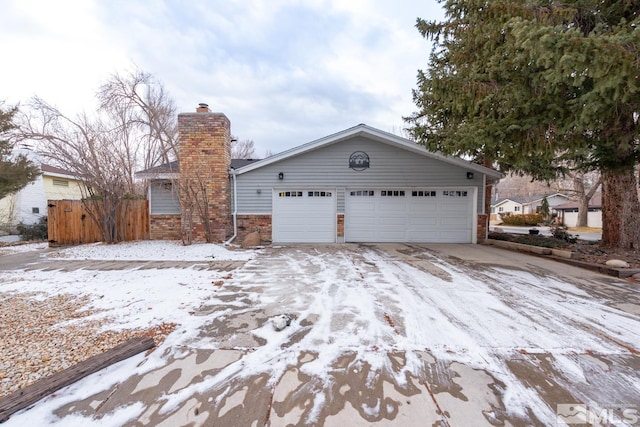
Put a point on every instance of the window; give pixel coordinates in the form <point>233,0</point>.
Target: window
<point>452,193</point>
<point>60,182</point>
<point>423,193</point>
<point>516,209</point>
<point>500,209</point>
<point>319,194</point>
<point>392,193</point>
<point>493,210</point>
<point>35,210</point>
<point>362,193</point>
<point>290,194</point>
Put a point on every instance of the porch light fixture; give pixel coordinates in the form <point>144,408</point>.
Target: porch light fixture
<point>469,175</point>
<point>280,175</point>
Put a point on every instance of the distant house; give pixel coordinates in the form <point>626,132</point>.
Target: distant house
<point>30,204</point>
<point>525,205</point>
<point>568,212</point>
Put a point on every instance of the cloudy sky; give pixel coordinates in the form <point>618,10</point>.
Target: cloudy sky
<point>285,72</point>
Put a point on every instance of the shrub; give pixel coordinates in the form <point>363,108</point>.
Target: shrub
<point>524,219</point>
<point>37,231</point>
<point>561,233</point>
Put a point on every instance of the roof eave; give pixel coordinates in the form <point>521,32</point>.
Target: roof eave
<point>159,175</point>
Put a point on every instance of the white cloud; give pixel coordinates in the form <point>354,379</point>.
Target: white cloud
<point>285,72</point>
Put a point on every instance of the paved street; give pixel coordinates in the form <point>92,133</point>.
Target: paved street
<point>392,334</point>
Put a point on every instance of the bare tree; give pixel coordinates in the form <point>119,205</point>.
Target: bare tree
<point>134,128</point>
<point>99,151</point>
<point>141,101</point>
<point>268,153</point>
<point>581,187</point>
<point>194,200</point>
<point>244,149</point>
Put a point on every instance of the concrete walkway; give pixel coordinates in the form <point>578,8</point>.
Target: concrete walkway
<point>237,374</point>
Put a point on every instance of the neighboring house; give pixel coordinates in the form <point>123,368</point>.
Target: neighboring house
<point>357,185</point>
<point>30,204</point>
<point>568,212</point>
<point>525,205</point>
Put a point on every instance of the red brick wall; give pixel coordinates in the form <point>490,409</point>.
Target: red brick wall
<point>340,224</point>
<point>250,223</point>
<point>164,227</point>
<point>205,157</point>
<point>483,222</point>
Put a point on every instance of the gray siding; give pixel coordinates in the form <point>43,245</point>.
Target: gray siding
<point>328,167</point>
<point>163,198</point>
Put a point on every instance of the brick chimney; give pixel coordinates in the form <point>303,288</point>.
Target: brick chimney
<point>205,158</point>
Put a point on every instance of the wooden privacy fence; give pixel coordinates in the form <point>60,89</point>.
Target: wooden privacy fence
<point>69,222</point>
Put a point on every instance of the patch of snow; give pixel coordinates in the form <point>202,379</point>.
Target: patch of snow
<point>154,250</point>
<point>28,247</point>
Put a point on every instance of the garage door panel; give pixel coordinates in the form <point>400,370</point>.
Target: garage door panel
<point>460,222</point>
<point>423,236</point>
<point>420,222</point>
<point>304,216</point>
<point>407,215</point>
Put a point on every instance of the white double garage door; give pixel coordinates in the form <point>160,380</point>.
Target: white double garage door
<point>374,215</point>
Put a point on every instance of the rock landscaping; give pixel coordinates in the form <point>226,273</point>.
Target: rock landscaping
<point>42,335</point>
<point>590,252</point>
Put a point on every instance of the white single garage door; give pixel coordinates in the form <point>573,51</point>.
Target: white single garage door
<point>304,216</point>
<point>409,215</point>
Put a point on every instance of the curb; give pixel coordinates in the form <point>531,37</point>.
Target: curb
<point>563,256</point>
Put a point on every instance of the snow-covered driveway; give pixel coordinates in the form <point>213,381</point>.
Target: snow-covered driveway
<point>453,335</point>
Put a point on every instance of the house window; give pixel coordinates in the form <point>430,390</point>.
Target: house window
<point>493,210</point>
<point>392,193</point>
<point>319,194</point>
<point>500,209</point>
<point>60,182</point>
<point>362,193</point>
<point>516,209</point>
<point>290,194</point>
<point>455,193</point>
<point>35,210</point>
<point>422,193</point>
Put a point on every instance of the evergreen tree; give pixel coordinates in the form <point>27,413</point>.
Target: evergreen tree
<point>538,87</point>
<point>15,171</point>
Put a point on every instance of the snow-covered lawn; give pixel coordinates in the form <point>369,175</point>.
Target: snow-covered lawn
<point>344,301</point>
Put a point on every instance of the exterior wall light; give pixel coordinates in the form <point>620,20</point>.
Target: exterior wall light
<point>469,175</point>
<point>281,175</point>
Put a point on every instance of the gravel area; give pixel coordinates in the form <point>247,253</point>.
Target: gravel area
<point>44,334</point>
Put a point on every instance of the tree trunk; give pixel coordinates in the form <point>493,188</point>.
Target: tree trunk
<point>583,203</point>
<point>620,208</point>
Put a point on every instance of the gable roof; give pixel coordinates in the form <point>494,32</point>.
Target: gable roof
<point>56,171</point>
<point>527,200</point>
<point>594,202</point>
<point>370,133</point>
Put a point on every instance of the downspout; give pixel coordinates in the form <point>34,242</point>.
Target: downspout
<point>235,210</point>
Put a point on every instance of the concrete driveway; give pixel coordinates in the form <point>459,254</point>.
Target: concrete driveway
<point>385,334</point>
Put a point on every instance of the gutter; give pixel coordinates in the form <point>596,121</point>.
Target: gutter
<point>235,210</point>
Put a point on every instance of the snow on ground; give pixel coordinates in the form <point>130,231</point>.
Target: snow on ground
<point>20,248</point>
<point>477,319</point>
<point>153,250</point>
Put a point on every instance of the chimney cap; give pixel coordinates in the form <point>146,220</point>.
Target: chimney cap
<point>203,108</point>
